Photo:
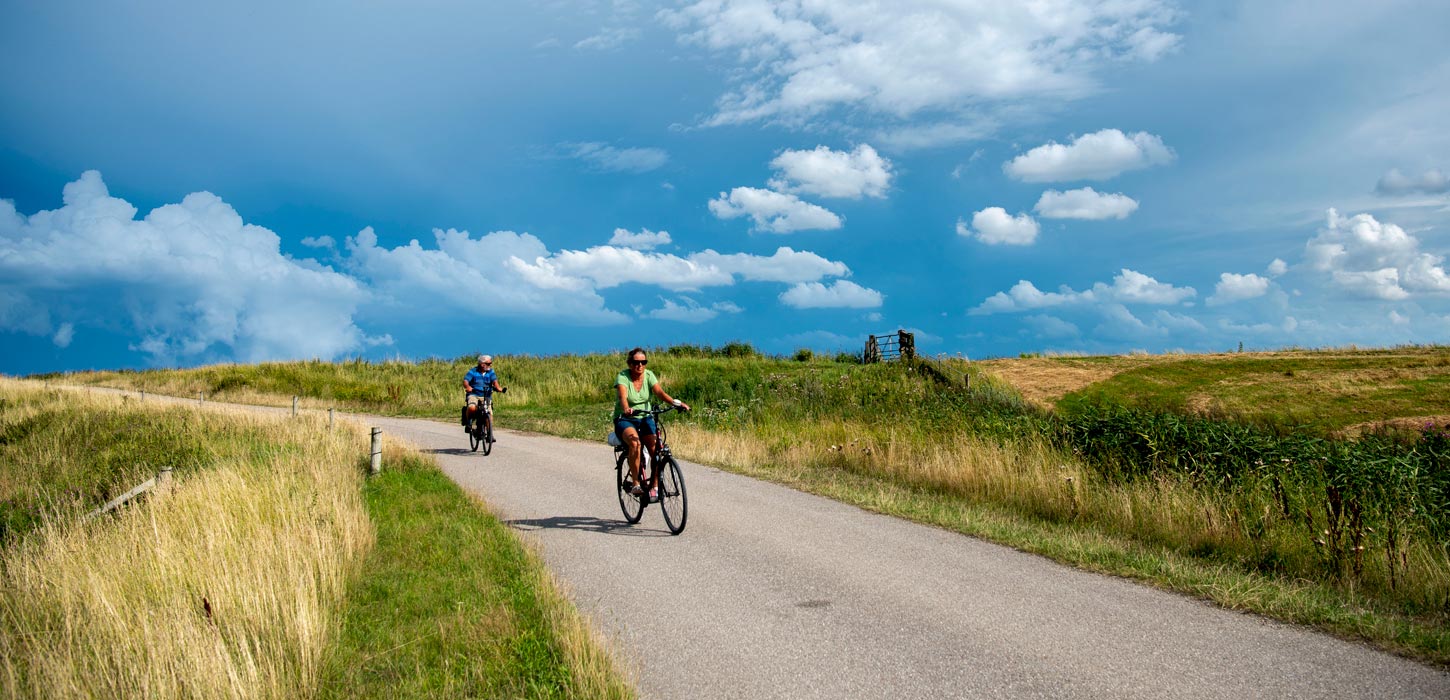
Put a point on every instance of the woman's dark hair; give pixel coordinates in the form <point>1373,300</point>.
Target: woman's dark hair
<point>630,355</point>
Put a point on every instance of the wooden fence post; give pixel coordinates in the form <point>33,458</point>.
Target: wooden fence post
<point>376,467</point>
<point>294,406</point>
<point>200,397</point>
<point>329,419</point>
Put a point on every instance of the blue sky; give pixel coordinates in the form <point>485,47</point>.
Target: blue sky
<point>186,183</point>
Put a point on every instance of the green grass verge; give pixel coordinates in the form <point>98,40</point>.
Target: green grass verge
<point>451,604</point>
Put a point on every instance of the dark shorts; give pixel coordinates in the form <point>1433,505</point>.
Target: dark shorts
<point>644,426</point>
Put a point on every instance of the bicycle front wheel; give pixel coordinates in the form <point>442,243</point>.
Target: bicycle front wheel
<point>487,437</point>
<point>630,504</point>
<point>672,495</point>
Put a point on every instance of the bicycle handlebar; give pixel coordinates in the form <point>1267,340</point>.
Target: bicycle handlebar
<point>656,411</point>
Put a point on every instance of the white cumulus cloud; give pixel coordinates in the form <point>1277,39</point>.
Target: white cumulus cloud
<point>644,240</point>
<point>785,265</point>
<point>775,212</point>
<point>1233,287</point>
<point>188,282</point>
<point>461,271</point>
<point>1366,257</point>
<point>1085,203</point>
<point>916,56</point>
<point>1096,156</point>
<point>858,173</point>
<point>841,294</point>
<point>994,226</point>
<point>1128,287</point>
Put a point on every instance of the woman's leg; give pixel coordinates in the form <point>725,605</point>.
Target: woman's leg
<point>631,449</point>
<point>649,441</point>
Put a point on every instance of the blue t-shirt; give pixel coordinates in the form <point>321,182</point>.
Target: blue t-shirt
<point>480,383</point>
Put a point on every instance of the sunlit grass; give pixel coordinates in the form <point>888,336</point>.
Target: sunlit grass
<point>227,585</point>
<point>451,604</point>
<point>255,574</point>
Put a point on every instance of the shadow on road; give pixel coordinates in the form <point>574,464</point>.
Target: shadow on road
<point>586,523</point>
<point>455,451</point>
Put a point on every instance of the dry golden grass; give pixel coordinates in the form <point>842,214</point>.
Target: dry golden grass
<point>226,586</point>
<point>1044,380</point>
<point>1030,477</point>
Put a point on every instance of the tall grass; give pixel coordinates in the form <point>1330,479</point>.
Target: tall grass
<point>256,575</point>
<point>1366,531</point>
<point>227,585</point>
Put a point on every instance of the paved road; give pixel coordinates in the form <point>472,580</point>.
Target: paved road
<point>772,593</point>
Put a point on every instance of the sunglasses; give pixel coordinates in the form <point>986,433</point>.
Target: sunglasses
<point>641,363</point>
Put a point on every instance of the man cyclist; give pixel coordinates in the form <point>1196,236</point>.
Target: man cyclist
<point>479,384</point>
<point>635,385</point>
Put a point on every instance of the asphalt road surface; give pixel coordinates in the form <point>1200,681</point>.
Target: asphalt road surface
<point>773,593</point>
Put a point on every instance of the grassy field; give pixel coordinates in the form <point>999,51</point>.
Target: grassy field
<point>1330,392</point>
<point>269,569</point>
<point>1258,512</point>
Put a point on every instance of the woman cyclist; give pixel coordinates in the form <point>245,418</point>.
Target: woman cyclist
<point>635,386</point>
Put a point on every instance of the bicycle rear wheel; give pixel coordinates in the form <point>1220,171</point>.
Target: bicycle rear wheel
<point>473,434</point>
<point>630,504</point>
<point>487,437</point>
<point>672,495</point>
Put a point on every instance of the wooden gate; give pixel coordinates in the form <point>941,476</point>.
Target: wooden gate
<point>886,348</point>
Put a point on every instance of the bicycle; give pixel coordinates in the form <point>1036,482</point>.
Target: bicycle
<point>670,488</point>
<point>480,426</point>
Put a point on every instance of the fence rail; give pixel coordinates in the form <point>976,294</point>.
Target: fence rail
<point>161,481</point>
<point>891,346</point>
